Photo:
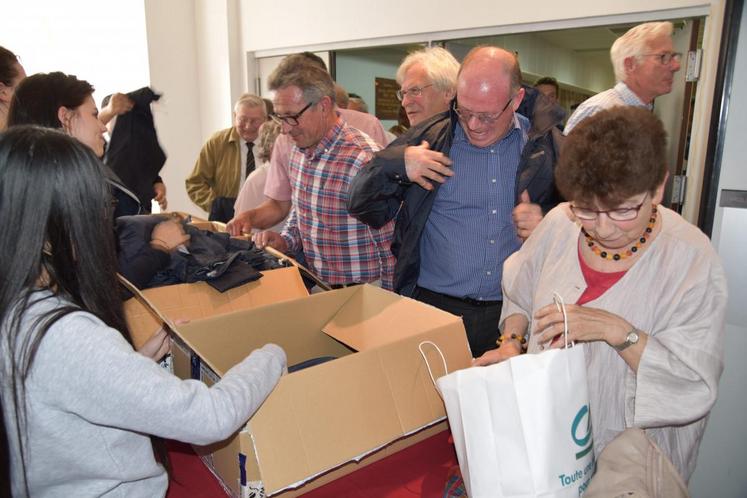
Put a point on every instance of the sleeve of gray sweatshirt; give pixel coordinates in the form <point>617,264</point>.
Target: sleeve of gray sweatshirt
<point>87,368</point>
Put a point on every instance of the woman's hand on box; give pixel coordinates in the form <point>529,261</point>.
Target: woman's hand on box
<point>157,346</point>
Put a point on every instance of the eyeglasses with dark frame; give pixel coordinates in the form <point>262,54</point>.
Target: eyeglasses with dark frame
<point>290,119</point>
<point>666,57</point>
<point>485,118</point>
<point>415,91</point>
<point>619,214</point>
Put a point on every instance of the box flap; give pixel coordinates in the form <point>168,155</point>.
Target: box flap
<point>343,410</point>
<point>199,300</point>
<point>294,325</point>
<point>327,415</point>
<point>373,317</point>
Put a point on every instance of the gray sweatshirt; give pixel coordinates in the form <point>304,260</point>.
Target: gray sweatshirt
<point>92,402</point>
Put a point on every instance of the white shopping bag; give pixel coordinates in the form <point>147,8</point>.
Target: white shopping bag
<point>522,427</point>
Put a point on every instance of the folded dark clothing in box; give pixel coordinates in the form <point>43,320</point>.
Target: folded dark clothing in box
<point>216,258</point>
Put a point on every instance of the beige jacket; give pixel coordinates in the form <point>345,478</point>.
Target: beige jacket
<point>217,172</point>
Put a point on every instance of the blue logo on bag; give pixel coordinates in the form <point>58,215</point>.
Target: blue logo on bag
<point>584,441</point>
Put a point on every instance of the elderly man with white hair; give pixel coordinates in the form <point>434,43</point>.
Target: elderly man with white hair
<point>644,61</point>
<point>427,80</point>
<point>226,159</point>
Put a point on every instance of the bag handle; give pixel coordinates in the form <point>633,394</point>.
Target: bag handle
<point>428,365</point>
<point>560,304</point>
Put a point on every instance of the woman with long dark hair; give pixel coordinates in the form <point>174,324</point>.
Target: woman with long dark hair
<point>62,101</point>
<point>78,403</point>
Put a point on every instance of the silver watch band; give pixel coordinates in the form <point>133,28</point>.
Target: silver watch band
<point>630,339</point>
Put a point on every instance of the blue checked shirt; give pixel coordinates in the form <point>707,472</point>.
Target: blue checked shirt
<point>470,232</point>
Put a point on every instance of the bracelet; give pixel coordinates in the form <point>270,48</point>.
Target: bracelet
<point>520,338</point>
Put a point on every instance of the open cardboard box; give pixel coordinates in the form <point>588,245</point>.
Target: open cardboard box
<point>200,300</point>
<point>331,418</point>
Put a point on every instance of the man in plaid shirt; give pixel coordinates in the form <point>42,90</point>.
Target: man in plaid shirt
<point>326,156</point>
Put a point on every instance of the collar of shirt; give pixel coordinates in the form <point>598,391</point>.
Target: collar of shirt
<point>326,143</point>
<point>630,98</point>
<point>461,136</point>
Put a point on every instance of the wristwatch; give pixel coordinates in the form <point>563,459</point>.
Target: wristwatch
<point>630,339</point>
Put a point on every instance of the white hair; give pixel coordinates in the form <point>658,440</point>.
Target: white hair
<point>250,100</point>
<point>439,64</point>
<point>636,42</point>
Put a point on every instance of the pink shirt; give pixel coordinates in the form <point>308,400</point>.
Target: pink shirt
<point>252,194</point>
<point>277,185</point>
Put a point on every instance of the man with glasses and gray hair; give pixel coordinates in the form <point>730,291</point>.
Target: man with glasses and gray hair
<point>644,61</point>
<point>326,155</point>
<point>278,188</point>
<point>453,199</point>
<point>427,80</point>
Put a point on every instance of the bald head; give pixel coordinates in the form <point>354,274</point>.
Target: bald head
<point>488,92</point>
<point>493,63</point>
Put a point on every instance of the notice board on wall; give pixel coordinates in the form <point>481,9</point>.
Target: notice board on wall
<point>387,105</point>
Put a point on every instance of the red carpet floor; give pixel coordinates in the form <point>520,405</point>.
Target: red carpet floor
<point>418,471</point>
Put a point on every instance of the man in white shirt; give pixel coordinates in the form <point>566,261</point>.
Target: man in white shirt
<point>645,62</point>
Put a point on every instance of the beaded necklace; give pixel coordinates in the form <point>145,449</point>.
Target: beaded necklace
<point>629,252</point>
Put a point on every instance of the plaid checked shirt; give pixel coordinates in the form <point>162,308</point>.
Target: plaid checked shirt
<point>338,248</point>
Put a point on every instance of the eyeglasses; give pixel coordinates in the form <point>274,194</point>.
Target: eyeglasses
<point>290,119</point>
<point>620,214</point>
<point>415,91</point>
<point>485,118</point>
<point>666,57</point>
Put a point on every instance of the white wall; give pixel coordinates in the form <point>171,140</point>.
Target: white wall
<point>721,463</point>
<point>78,37</point>
<point>272,28</point>
<point>172,54</point>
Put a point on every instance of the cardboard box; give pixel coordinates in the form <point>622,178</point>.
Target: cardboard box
<point>200,300</point>
<point>376,395</point>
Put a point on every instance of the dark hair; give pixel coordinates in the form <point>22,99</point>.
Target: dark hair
<point>38,98</point>
<point>613,155</point>
<point>548,80</point>
<point>8,66</point>
<point>54,195</point>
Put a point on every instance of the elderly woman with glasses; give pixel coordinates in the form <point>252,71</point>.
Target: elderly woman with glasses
<point>648,290</point>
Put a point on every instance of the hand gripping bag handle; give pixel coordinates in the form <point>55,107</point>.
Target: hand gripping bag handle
<point>560,304</point>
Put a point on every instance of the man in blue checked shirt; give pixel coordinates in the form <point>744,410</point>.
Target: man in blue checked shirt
<point>453,182</point>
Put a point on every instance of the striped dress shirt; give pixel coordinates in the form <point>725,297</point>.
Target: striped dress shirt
<point>619,95</point>
<point>338,248</point>
<point>470,232</point>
